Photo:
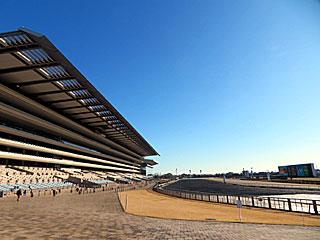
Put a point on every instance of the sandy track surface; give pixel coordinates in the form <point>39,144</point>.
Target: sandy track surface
<point>214,187</point>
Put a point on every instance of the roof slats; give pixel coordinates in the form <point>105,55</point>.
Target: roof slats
<point>24,46</point>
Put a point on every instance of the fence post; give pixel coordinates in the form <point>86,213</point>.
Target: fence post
<point>289,205</point>
<point>269,202</point>
<point>201,197</point>
<point>227,199</point>
<point>315,206</point>
<point>217,198</point>
<point>252,201</point>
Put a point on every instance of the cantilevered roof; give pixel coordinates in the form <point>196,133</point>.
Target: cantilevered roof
<point>33,66</point>
<point>150,162</point>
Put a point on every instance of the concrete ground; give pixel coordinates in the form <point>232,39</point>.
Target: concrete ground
<point>99,216</point>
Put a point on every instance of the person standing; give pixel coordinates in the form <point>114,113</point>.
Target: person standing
<point>18,194</point>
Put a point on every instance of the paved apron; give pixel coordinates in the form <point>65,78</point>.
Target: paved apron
<point>99,216</point>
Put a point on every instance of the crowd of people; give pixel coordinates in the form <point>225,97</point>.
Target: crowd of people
<point>19,193</point>
<point>79,189</point>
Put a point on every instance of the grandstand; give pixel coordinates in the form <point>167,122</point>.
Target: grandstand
<point>55,126</point>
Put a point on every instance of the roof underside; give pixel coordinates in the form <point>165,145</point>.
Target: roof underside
<point>150,162</point>
<point>32,65</point>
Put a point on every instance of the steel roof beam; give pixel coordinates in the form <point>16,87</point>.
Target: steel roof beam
<point>69,100</point>
<point>91,111</point>
<point>97,125</point>
<point>82,106</point>
<point>86,118</point>
<point>11,49</point>
<point>55,92</point>
<point>69,108</point>
<point>115,134</point>
<point>13,33</point>
<point>44,81</point>
<point>120,138</point>
<point>109,130</point>
<point>101,121</point>
<point>79,113</point>
<point>28,67</point>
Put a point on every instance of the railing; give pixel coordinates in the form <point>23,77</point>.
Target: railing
<point>266,184</point>
<point>277,203</point>
<point>137,186</point>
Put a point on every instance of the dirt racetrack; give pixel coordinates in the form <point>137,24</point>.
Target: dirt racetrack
<point>209,186</point>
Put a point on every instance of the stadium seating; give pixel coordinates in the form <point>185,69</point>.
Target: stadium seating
<point>26,177</point>
<point>34,186</point>
<point>13,177</point>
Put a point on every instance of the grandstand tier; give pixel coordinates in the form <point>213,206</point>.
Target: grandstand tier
<point>54,124</point>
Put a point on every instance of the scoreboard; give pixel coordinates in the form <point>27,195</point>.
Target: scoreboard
<point>299,170</point>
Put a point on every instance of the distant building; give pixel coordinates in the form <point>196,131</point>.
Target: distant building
<point>245,173</point>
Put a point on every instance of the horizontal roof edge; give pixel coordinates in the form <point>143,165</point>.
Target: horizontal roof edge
<point>30,32</point>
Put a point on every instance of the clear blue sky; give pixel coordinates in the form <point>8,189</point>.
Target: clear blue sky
<point>212,85</point>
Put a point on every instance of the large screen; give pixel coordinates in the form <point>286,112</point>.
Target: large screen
<point>283,171</point>
<point>300,170</point>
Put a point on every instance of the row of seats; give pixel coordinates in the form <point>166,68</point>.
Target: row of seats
<point>33,186</point>
<point>82,174</point>
<point>38,175</point>
<point>101,181</point>
<point>18,174</point>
